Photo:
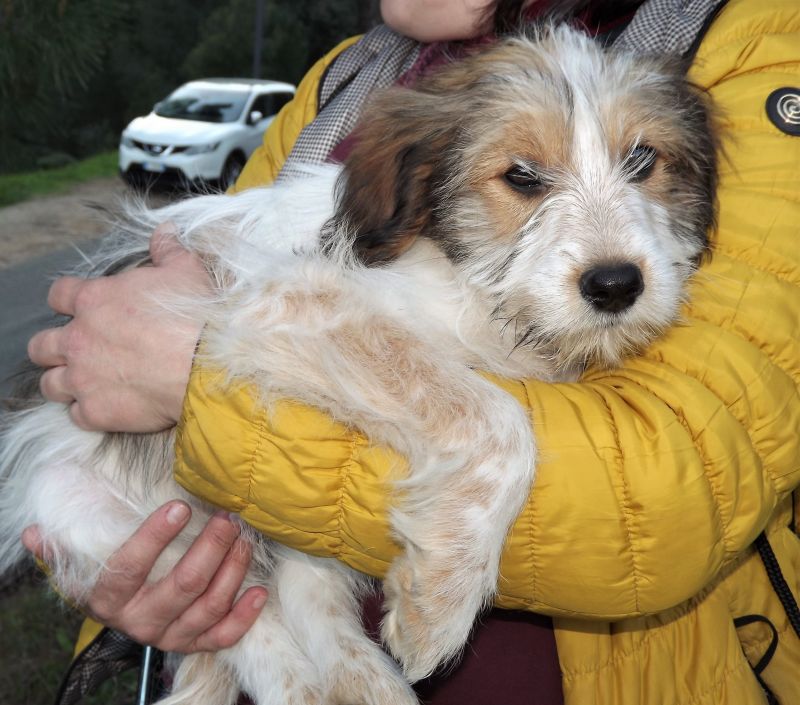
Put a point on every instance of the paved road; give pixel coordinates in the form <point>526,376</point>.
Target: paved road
<point>34,237</point>
<point>23,294</point>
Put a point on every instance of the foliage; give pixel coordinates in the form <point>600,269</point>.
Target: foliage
<point>48,48</point>
<point>23,185</point>
<point>294,36</point>
<point>74,72</point>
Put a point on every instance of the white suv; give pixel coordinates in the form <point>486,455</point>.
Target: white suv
<point>202,133</point>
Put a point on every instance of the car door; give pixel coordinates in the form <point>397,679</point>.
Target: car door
<point>268,104</point>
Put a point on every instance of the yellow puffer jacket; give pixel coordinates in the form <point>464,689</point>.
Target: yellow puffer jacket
<point>654,479</point>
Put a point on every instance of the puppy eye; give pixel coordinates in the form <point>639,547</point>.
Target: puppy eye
<point>640,162</point>
<point>523,180</point>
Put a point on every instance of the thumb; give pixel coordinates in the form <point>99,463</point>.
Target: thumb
<point>164,244</point>
<point>32,540</point>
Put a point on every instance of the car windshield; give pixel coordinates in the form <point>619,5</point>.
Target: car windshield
<point>206,105</point>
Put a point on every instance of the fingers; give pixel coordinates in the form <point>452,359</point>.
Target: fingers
<point>53,385</point>
<point>210,573</point>
<point>234,626</point>
<point>53,347</point>
<point>218,597</point>
<point>77,416</point>
<point>195,572</point>
<point>64,293</point>
<point>127,570</point>
<point>46,348</point>
<point>194,608</point>
<point>213,622</point>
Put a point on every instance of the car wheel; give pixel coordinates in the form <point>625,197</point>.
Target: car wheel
<point>230,171</point>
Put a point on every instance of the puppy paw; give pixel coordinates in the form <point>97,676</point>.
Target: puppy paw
<point>368,676</point>
<point>429,614</point>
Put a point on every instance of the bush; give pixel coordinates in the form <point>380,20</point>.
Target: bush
<point>21,186</point>
<point>54,160</point>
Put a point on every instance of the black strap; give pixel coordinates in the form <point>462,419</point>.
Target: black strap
<point>763,662</point>
<point>789,602</point>
<point>778,582</point>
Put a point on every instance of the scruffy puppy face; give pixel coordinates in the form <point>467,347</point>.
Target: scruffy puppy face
<point>573,186</point>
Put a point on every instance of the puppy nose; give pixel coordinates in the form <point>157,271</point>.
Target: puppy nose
<point>612,288</point>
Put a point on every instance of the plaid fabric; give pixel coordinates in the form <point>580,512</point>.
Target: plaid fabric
<point>375,61</point>
<point>109,654</point>
<point>666,26</point>
<point>382,56</point>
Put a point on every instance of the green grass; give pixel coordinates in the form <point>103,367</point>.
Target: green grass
<point>22,186</point>
<point>37,635</point>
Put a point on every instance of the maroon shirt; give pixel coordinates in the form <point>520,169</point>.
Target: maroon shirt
<point>510,659</point>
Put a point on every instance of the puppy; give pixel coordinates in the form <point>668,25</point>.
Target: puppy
<point>528,211</point>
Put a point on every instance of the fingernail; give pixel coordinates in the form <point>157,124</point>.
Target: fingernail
<point>259,600</point>
<point>177,513</point>
<point>231,518</point>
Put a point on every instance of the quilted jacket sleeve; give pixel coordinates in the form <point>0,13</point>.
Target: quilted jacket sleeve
<point>651,477</point>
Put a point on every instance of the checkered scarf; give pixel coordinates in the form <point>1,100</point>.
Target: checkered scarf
<point>382,56</point>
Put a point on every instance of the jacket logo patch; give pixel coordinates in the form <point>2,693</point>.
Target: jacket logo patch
<point>783,109</point>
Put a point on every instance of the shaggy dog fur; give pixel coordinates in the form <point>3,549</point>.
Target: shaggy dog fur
<point>527,211</point>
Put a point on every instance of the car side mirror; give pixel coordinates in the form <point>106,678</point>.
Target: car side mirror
<point>255,116</point>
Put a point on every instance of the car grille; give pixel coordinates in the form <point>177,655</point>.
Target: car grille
<point>158,150</point>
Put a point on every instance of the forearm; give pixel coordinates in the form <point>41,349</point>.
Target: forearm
<point>611,487</point>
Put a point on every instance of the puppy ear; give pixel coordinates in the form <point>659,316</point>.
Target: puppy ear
<point>702,164</point>
<point>695,163</point>
<point>386,197</point>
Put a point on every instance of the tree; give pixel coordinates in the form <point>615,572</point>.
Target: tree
<point>294,36</point>
<point>49,51</point>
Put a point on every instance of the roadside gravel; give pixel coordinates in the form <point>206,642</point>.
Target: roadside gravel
<point>43,225</point>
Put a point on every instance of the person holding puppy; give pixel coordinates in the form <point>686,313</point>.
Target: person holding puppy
<point>654,480</point>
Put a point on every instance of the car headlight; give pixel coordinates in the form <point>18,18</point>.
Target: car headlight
<point>201,148</point>
<point>126,141</point>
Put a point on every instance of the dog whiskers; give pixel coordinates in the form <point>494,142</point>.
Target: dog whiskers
<point>532,337</point>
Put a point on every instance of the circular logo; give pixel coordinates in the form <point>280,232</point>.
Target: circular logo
<point>783,109</point>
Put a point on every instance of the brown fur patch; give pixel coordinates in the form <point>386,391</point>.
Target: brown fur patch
<point>309,696</point>
<point>534,137</point>
<point>300,303</point>
<point>400,370</point>
<point>334,611</point>
<point>387,199</point>
<point>476,493</point>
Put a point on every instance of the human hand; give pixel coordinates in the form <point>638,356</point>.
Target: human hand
<point>122,363</point>
<point>192,608</point>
